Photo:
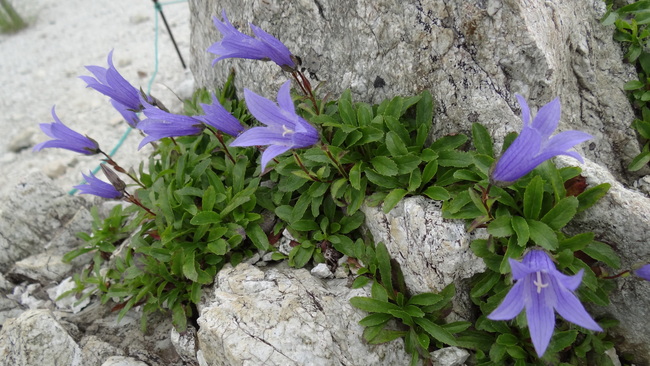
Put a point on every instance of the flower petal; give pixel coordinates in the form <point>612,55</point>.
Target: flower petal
<point>260,136</point>
<point>271,152</point>
<point>570,308</point>
<point>266,111</point>
<point>565,140</point>
<point>547,118</point>
<point>541,318</point>
<point>525,111</point>
<point>516,161</point>
<point>512,304</point>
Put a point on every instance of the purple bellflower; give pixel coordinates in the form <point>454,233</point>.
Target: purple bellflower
<point>98,187</point>
<point>541,288</point>
<point>534,145</point>
<point>284,128</point>
<point>217,116</point>
<point>66,138</point>
<point>643,272</point>
<point>236,44</point>
<point>124,96</point>
<point>159,124</point>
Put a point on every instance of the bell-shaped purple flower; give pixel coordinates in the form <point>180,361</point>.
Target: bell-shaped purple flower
<point>236,44</point>
<point>542,290</point>
<point>98,187</point>
<point>284,128</point>
<point>534,145</point>
<point>66,138</point>
<point>217,116</point>
<point>159,124</point>
<point>643,272</point>
<point>108,81</point>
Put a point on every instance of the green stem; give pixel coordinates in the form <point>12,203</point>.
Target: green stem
<point>337,164</point>
<point>304,169</point>
<point>225,148</point>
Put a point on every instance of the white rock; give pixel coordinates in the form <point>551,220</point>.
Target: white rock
<point>95,351</point>
<point>123,361</point>
<point>321,271</point>
<point>432,252</point>
<point>70,302</point>
<point>37,338</point>
<point>284,316</point>
<point>449,356</point>
<point>185,344</point>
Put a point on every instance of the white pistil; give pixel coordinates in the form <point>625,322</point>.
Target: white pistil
<point>286,130</point>
<point>539,283</point>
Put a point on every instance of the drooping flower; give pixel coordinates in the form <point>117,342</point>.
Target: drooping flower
<point>284,128</point>
<point>236,44</point>
<point>534,145</point>
<point>66,138</point>
<point>98,187</point>
<point>643,272</point>
<point>159,124</point>
<point>108,81</point>
<point>217,116</point>
<point>541,289</point>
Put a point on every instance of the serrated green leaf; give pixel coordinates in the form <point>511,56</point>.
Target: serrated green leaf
<point>425,299</point>
<point>533,197</point>
<point>372,305</point>
<point>355,176</point>
<point>482,140</point>
<point>258,237</point>
<point>562,340</point>
<point>454,158</point>
<point>589,197</point>
<point>639,161</point>
<point>205,217</point>
<point>542,234</point>
<point>436,331</point>
<point>384,165</point>
<point>360,282</point>
<point>395,145</point>
<point>500,227</point>
<point>375,319</point>
<point>353,222</point>
<point>437,193</point>
<point>393,198</point>
<point>551,174</point>
<point>378,292</point>
<point>300,256</point>
<point>577,242</point>
<point>557,217</point>
<point>604,253</point>
<point>383,261</point>
<point>633,85</point>
<point>189,266</point>
<point>448,142</point>
<point>485,283</point>
<point>520,226</point>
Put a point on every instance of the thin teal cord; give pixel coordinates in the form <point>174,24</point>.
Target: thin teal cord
<point>157,7</point>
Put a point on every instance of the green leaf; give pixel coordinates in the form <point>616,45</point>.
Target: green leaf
<point>375,319</point>
<point>383,261</point>
<point>205,217</point>
<point>345,109</point>
<point>633,85</point>
<point>542,234</point>
<point>299,256</point>
<point>507,340</point>
<point>500,227</point>
<point>486,282</point>
<point>378,292</point>
<point>429,171</point>
<point>386,335</point>
<point>454,158</point>
<point>372,305</point>
<point>604,253</point>
<point>424,118</point>
<point>189,266</point>
<point>560,215</point>
<point>425,299</point>
<point>577,242</point>
<point>448,142</point>
<point>384,165</point>
<point>436,331</point>
<point>589,197</point>
<point>258,237</point>
<point>517,352</point>
<point>360,282</point>
<point>436,193</point>
<point>533,197</point>
<point>551,174</point>
<point>355,176</point>
<point>520,226</point>
<point>395,144</point>
<point>353,222</point>
<point>393,198</point>
<point>482,140</point>
<point>639,161</point>
<point>562,340</point>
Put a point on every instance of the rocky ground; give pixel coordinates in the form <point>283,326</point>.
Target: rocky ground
<point>40,68</point>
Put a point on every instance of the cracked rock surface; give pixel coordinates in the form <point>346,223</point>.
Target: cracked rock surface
<point>283,316</point>
<point>472,55</point>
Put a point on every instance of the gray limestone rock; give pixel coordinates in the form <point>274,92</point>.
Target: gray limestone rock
<point>432,252</point>
<point>32,214</point>
<point>449,356</point>
<point>278,315</point>
<point>622,220</point>
<point>37,338</point>
<point>123,361</point>
<point>472,55</point>
<point>95,351</point>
